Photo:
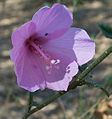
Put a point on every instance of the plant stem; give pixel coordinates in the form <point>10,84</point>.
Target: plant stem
<point>76,82</point>
<point>48,101</point>
<point>30,100</point>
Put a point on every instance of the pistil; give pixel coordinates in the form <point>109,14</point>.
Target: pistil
<point>39,50</point>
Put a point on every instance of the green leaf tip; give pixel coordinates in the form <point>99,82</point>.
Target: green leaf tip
<point>106,30</point>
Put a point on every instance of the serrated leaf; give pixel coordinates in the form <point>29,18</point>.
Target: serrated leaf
<point>106,30</point>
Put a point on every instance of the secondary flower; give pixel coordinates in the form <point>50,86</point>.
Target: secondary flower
<point>47,51</point>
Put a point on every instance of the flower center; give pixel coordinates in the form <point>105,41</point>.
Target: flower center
<point>38,50</point>
<point>34,44</point>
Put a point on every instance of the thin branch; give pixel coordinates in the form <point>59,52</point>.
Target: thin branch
<point>30,100</point>
<point>48,101</point>
<point>89,110</point>
<point>77,82</point>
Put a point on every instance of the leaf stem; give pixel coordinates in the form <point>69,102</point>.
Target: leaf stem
<point>77,82</point>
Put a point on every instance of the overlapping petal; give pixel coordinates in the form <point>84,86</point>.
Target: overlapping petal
<point>28,71</point>
<point>60,78</point>
<point>22,33</point>
<point>54,21</point>
<point>60,74</point>
<point>84,47</point>
<point>62,49</point>
<point>63,44</point>
<point>19,36</point>
<point>33,73</point>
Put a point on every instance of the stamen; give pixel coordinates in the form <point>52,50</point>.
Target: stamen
<point>38,50</point>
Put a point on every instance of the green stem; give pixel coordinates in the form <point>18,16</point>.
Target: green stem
<point>78,81</point>
<point>30,100</point>
<point>48,101</point>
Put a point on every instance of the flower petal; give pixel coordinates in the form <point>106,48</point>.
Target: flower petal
<point>19,37</point>
<point>32,73</point>
<point>58,76</point>
<point>62,84</point>
<point>56,19</point>
<point>63,44</point>
<point>28,71</point>
<point>62,50</point>
<point>22,33</point>
<point>84,47</point>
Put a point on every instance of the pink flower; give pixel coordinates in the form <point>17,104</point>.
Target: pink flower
<point>47,51</point>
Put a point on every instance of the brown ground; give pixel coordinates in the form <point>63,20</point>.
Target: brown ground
<point>74,105</point>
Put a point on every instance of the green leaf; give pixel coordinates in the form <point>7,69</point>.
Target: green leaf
<point>106,30</point>
<point>97,85</point>
<point>78,2</point>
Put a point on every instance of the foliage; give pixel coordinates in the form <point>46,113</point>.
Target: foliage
<point>106,29</point>
<point>78,2</point>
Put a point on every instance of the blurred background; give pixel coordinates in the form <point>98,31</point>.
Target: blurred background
<point>82,103</point>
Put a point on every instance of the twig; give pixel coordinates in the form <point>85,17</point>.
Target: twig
<point>77,82</point>
<point>48,101</point>
<point>61,105</point>
<point>30,100</point>
<point>89,110</point>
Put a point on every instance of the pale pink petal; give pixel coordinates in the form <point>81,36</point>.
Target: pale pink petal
<point>22,33</point>
<point>40,15</point>
<point>19,36</point>
<point>58,76</point>
<point>64,82</point>
<point>63,44</point>
<point>33,73</point>
<point>61,49</point>
<point>54,21</point>
<point>28,71</point>
<point>15,52</point>
<point>84,47</point>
